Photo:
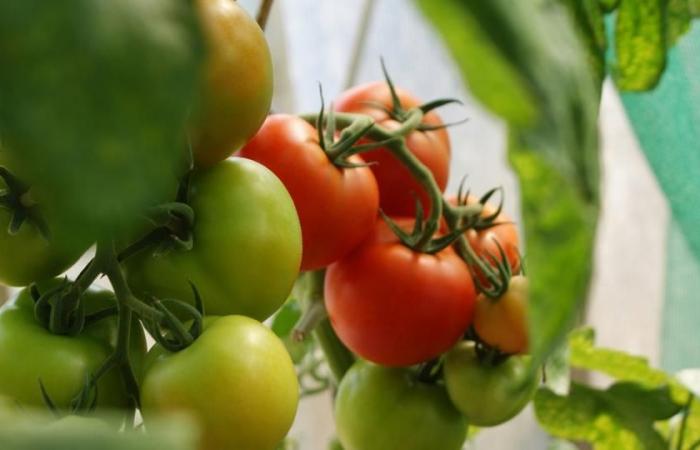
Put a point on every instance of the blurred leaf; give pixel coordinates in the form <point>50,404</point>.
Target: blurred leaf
<point>608,5</point>
<point>557,370</point>
<point>677,19</point>
<point>588,16</point>
<point>622,417</point>
<point>29,432</point>
<point>619,365</point>
<point>690,378</point>
<point>694,6</point>
<point>640,44</point>
<point>560,444</point>
<point>93,100</point>
<point>555,152</point>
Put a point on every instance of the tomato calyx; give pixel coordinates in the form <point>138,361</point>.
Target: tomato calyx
<point>340,149</point>
<point>402,115</point>
<point>167,329</point>
<point>17,198</point>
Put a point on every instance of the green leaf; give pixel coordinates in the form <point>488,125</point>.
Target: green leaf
<point>609,5</point>
<point>677,19</point>
<point>589,18</point>
<point>622,416</point>
<point>694,6</point>
<point>94,96</point>
<point>620,365</point>
<point>640,44</point>
<point>555,152</point>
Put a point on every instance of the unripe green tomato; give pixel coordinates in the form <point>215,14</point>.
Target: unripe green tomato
<point>487,395</point>
<point>381,408</point>
<point>27,256</point>
<point>247,245</point>
<point>236,381</point>
<point>29,352</point>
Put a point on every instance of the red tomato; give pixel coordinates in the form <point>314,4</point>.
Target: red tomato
<point>397,188</point>
<point>506,233</point>
<point>396,307</point>
<point>483,242</point>
<point>337,207</point>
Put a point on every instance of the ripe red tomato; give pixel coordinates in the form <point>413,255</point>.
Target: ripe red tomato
<point>505,232</point>
<point>397,188</point>
<point>502,322</point>
<point>337,207</point>
<point>396,307</point>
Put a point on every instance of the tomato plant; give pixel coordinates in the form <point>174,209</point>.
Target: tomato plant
<point>247,244</point>
<point>379,408</point>
<point>395,306</point>
<point>502,322</point>
<point>337,206</point>
<point>236,380</point>
<point>237,87</point>
<point>487,393</point>
<point>29,353</point>
<point>397,188</point>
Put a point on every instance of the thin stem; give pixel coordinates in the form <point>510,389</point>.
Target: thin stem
<point>264,13</point>
<point>120,357</point>
<point>338,357</point>
<point>359,44</point>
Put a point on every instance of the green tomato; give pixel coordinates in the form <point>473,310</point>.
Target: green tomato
<point>487,395</point>
<point>27,256</point>
<point>381,408</point>
<point>29,353</point>
<point>236,380</point>
<point>247,244</point>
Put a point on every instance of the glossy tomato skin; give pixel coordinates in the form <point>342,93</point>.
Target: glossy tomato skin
<point>337,207</point>
<point>380,408</point>
<point>247,244</point>
<point>29,352</point>
<point>397,188</point>
<point>236,88</point>
<point>502,322</point>
<point>236,380</point>
<point>396,307</point>
<point>504,232</point>
<point>487,395</point>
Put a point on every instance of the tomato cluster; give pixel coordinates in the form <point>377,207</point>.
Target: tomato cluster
<point>427,291</point>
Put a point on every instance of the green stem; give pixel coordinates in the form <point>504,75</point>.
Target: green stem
<point>338,357</point>
<point>120,357</point>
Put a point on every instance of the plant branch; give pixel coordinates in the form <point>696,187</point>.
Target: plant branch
<point>264,13</point>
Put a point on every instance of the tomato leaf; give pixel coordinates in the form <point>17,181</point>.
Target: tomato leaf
<point>694,6</point>
<point>620,365</point>
<point>93,101</point>
<point>589,18</point>
<point>622,416</point>
<point>640,44</point>
<point>677,19</point>
<point>609,5</point>
<point>555,152</point>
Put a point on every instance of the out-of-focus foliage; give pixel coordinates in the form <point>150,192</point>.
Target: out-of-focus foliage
<point>543,88</point>
<point>93,101</point>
